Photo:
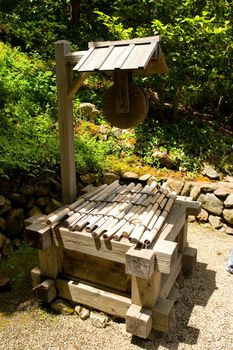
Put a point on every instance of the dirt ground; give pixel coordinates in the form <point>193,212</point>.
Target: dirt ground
<point>203,313</point>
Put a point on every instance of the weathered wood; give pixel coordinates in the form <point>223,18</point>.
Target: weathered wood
<point>65,110</point>
<point>165,255</point>
<point>75,57</point>
<point>50,261</point>
<point>121,84</point>
<point>162,314</point>
<point>124,42</point>
<point>38,235</point>
<point>47,291</point>
<point>169,280</point>
<point>34,219</point>
<point>59,215</point>
<point>182,238</point>
<point>189,259</point>
<point>99,299</point>
<point>96,270</point>
<point>140,262</point>
<point>192,207</point>
<point>139,321</point>
<point>84,243</point>
<point>76,84</point>
<point>36,276</point>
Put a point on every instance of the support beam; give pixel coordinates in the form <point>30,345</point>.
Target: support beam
<point>65,111</point>
<point>76,84</point>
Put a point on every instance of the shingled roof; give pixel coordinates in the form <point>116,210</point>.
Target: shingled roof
<point>131,54</point>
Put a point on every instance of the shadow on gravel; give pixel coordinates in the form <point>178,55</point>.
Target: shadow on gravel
<point>192,291</point>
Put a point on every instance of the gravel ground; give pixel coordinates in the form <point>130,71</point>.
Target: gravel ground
<point>203,321</point>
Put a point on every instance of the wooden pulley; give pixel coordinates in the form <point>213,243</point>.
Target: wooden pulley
<point>125,105</point>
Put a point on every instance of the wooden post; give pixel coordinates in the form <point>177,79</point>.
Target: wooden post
<point>65,111</point>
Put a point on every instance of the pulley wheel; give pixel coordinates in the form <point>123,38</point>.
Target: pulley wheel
<point>138,107</point>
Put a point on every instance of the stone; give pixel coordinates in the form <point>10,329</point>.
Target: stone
<point>191,218</point>
<point>150,180</point>
<point>6,185</point>
<point>98,320</point>
<point>195,192</point>
<point>186,189</point>
<point>229,201</point>
<point>2,225</point>
<point>130,175</point>
<point>42,201</point>
<point>17,243</point>
<point>88,178</point>
<point>211,203</point>
<point>229,230</point>
<point>17,199</point>
<point>62,307</point>
<point>28,191</point>
<point>15,222</point>
<point>43,188</point>
<point>108,178</point>
<point>30,202</point>
<point>6,207</point>
<point>228,178</point>
<point>210,172</point>
<point>203,215</point>
<point>228,215</point>
<point>163,159</point>
<point>88,110</point>
<point>56,186</point>
<point>82,312</point>
<point>208,188</point>
<point>175,185</point>
<point>8,247</point>
<point>2,200</point>
<point>144,178</point>
<point>215,221</point>
<point>221,193</point>
<point>52,205</point>
<point>34,211</point>
<point>2,240</point>
<point>5,284</point>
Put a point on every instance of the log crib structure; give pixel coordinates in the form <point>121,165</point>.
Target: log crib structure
<point>118,248</point>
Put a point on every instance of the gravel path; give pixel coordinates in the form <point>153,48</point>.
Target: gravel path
<point>204,312</point>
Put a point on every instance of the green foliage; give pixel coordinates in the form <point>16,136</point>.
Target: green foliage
<point>190,142</point>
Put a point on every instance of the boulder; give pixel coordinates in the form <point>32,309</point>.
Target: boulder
<point>88,179</point>
<point>88,110</point>
<point>215,221</point>
<point>186,189</point>
<point>163,159</point>
<point>130,175</point>
<point>82,312</point>
<point>221,193</point>
<point>6,185</point>
<point>2,225</point>
<point>8,247</point>
<point>15,222</point>
<point>203,215</point>
<point>98,320</point>
<point>195,192</point>
<point>210,172</point>
<point>150,180</point>
<point>207,187</point>
<point>229,201</point>
<point>108,178</point>
<point>228,215</point>
<point>175,185</point>
<point>211,203</point>
<point>17,199</point>
<point>42,201</point>
<point>43,188</point>
<point>144,178</point>
<point>5,207</point>
<point>5,284</point>
<point>2,240</point>
<point>28,191</point>
<point>34,211</point>
<point>62,307</point>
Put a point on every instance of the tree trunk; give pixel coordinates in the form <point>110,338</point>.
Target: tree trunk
<point>75,13</point>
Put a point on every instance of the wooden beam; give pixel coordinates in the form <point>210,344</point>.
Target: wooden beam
<point>75,57</point>
<point>50,261</point>
<point>38,235</point>
<point>140,262</point>
<point>47,291</point>
<point>165,255</point>
<point>169,280</point>
<point>139,321</point>
<point>189,259</point>
<point>162,315</point>
<point>99,299</point>
<point>76,84</point>
<point>36,276</point>
<point>65,116</point>
<point>151,39</point>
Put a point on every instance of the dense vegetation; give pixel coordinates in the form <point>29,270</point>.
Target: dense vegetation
<point>191,118</point>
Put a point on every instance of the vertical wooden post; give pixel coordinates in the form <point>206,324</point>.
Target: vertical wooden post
<point>65,116</point>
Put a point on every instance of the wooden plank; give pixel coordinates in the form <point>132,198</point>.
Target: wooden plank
<point>95,59</point>
<point>50,261</point>
<point>189,259</point>
<point>182,238</point>
<point>125,42</point>
<point>117,57</point>
<point>169,280</point>
<point>140,262</point>
<point>38,235</point>
<point>96,270</point>
<point>192,207</point>
<point>76,84</point>
<point>75,57</point>
<point>84,59</point>
<point>36,276</point>
<point>33,219</point>
<point>121,85</point>
<point>84,243</point>
<point>145,292</point>
<point>165,255</point>
<point>139,321</point>
<point>99,299</point>
<point>162,315</point>
<point>65,116</point>
<point>155,66</point>
<point>139,54</point>
<point>47,291</point>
